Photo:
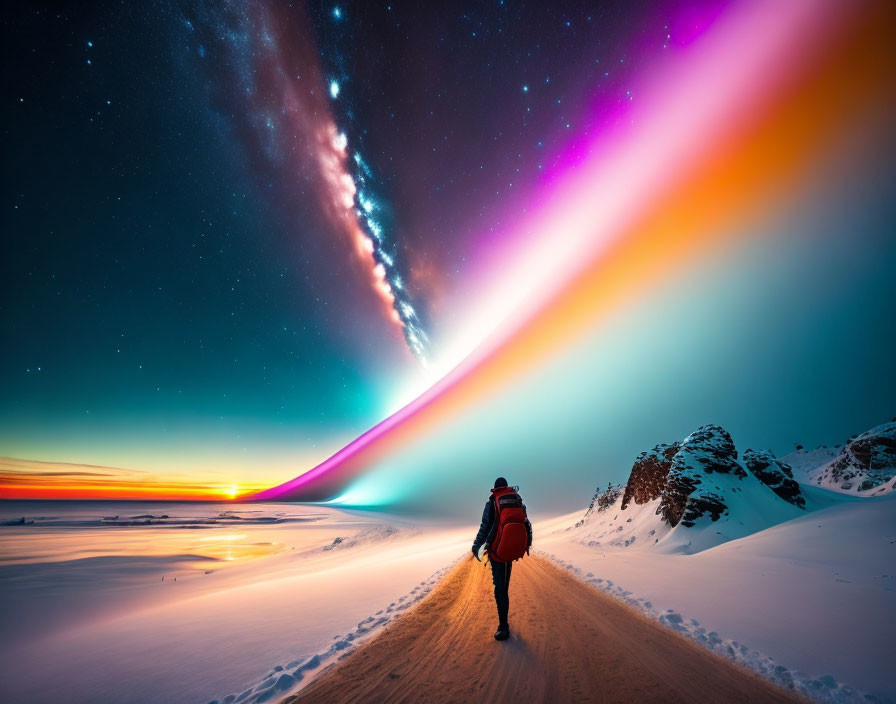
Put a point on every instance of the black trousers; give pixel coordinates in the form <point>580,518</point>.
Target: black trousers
<point>501,580</point>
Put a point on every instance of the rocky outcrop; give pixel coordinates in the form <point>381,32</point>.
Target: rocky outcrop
<point>684,503</point>
<point>775,474</point>
<point>674,474</point>
<point>711,449</point>
<point>867,460</point>
<point>685,498</point>
<point>648,475</point>
<point>602,500</point>
<point>701,476</point>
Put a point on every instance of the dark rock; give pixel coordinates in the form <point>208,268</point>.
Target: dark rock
<point>336,542</point>
<point>648,475</point>
<point>713,450</point>
<point>775,474</point>
<point>602,500</point>
<point>675,494</point>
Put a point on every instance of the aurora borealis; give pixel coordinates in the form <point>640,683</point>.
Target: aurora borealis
<point>507,238</point>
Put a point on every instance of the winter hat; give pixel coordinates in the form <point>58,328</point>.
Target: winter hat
<point>499,482</point>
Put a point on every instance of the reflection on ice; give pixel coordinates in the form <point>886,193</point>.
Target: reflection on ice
<point>192,601</point>
<point>32,532</point>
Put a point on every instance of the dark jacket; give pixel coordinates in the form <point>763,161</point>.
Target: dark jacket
<point>489,524</point>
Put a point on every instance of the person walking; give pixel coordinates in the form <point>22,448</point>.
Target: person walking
<point>505,535</point>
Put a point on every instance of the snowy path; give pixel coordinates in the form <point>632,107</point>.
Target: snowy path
<point>569,643</point>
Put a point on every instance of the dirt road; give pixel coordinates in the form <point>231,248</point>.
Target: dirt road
<point>569,643</point>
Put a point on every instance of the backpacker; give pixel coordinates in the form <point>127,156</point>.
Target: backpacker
<point>511,539</point>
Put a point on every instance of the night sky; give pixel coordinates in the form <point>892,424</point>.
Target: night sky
<point>235,235</point>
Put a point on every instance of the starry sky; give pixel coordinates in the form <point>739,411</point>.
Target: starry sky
<point>239,235</point>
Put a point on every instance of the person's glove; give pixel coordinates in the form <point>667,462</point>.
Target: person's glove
<point>475,554</point>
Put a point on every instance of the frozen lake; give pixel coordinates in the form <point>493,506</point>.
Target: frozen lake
<point>189,602</point>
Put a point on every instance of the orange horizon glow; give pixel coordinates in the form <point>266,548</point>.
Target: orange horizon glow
<point>34,479</point>
<point>148,493</point>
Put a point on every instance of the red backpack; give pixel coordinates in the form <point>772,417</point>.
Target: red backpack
<point>511,539</point>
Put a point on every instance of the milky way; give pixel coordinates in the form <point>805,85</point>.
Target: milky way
<point>367,204</point>
<point>282,104</point>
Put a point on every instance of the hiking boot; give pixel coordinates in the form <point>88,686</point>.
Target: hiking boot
<point>503,632</point>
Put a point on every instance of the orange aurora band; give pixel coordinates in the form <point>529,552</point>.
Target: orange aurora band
<point>845,77</point>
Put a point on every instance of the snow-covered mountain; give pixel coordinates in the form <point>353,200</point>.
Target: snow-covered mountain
<point>865,465</point>
<point>689,495</point>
